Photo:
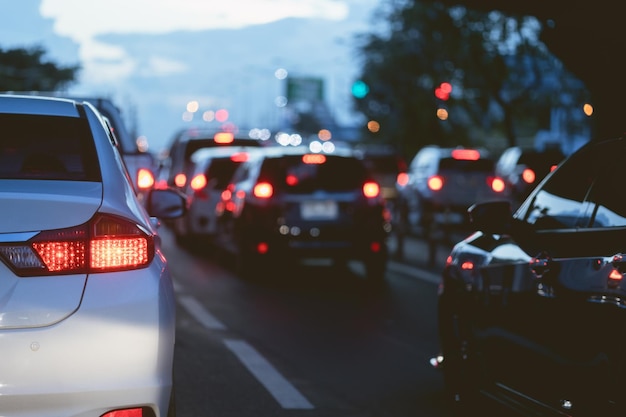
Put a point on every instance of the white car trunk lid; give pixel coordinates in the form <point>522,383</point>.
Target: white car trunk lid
<point>41,300</point>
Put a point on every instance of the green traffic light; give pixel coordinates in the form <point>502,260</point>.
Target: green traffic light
<point>360,89</point>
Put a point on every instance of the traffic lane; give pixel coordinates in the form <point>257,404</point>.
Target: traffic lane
<point>352,346</point>
<point>346,368</point>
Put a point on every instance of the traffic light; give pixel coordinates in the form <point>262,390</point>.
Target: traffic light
<point>360,89</point>
<point>443,91</point>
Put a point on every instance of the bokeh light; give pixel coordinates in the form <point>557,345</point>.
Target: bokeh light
<point>142,144</point>
<point>208,116</point>
<point>221,115</point>
<point>193,106</point>
<point>373,126</point>
<point>324,134</point>
<point>281,73</point>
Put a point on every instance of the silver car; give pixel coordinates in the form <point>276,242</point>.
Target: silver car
<point>87,306</point>
<point>212,170</point>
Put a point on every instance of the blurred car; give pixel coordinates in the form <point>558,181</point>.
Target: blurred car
<point>443,183</point>
<point>177,165</point>
<point>212,170</point>
<point>386,164</point>
<point>141,164</point>
<point>532,306</point>
<point>289,204</point>
<point>88,311</point>
<point>523,169</point>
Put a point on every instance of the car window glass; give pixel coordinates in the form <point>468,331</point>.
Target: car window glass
<point>607,198</point>
<point>47,147</point>
<point>563,201</point>
<point>291,174</point>
<point>221,170</point>
<point>480,165</point>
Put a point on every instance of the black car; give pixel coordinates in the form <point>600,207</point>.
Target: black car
<point>289,204</point>
<point>532,306</point>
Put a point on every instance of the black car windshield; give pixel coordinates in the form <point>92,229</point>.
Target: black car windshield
<point>328,173</point>
<point>221,171</point>
<point>47,147</point>
<point>585,192</point>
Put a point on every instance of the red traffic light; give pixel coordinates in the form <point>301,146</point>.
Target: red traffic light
<point>443,91</point>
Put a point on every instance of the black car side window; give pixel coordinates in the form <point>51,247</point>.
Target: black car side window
<point>564,200</point>
<point>606,198</point>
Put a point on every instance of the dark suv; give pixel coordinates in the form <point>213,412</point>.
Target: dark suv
<point>288,204</point>
<point>532,306</point>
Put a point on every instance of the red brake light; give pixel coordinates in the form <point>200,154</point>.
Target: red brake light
<point>180,180</point>
<point>467,154</point>
<point>145,179</point>
<point>371,189</point>
<point>615,275</point>
<point>263,190</point>
<point>223,137</point>
<point>161,185</point>
<point>239,157</point>
<point>314,158</point>
<point>198,182</point>
<point>375,247</point>
<point>104,244</point>
<point>262,248</point>
<point>435,183</point>
<point>467,265</point>
<point>129,412</point>
<point>497,184</point>
<point>528,175</point>
<point>402,179</point>
<point>291,180</point>
<point>553,167</point>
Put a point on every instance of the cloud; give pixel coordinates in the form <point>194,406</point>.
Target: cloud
<point>82,20</point>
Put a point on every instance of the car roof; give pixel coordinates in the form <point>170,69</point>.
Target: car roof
<point>105,106</point>
<point>19,104</point>
<point>276,151</point>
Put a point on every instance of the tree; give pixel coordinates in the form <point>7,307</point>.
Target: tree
<point>495,63</point>
<point>588,40</point>
<point>27,69</point>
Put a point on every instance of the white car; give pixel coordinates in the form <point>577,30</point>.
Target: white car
<point>211,171</point>
<point>87,306</point>
<point>141,164</point>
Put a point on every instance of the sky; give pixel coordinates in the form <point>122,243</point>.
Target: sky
<point>154,57</point>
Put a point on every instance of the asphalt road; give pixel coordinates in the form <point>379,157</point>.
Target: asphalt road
<point>317,342</point>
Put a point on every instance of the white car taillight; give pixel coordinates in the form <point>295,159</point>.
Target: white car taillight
<point>104,244</point>
<point>145,179</point>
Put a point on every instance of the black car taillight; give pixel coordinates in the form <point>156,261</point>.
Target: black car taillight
<point>263,190</point>
<point>497,184</point>
<point>371,189</point>
<point>104,244</point>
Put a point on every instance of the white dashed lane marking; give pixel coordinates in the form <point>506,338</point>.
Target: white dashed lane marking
<point>277,385</point>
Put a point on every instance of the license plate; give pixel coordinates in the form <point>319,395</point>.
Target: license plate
<point>319,210</point>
